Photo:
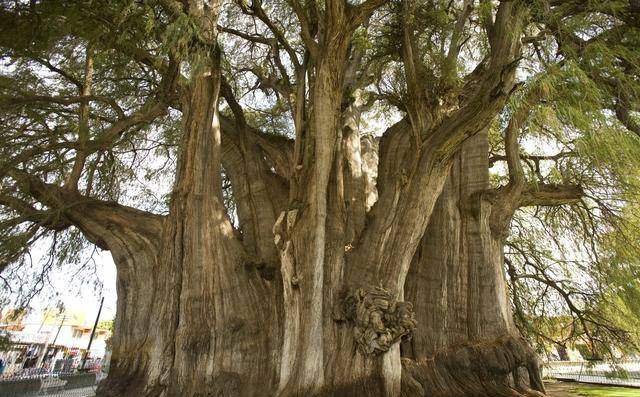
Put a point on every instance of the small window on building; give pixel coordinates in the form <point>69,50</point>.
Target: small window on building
<point>77,333</point>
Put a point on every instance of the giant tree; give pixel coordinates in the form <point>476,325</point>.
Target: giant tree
<point>291,249</point>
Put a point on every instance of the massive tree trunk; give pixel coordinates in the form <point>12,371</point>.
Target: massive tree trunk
<point>307,298</point>
<point>195,315</point>
<point>466,344</point>
<point>195,319</point>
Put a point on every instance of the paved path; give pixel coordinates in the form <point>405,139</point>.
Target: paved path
<point>81,392</point>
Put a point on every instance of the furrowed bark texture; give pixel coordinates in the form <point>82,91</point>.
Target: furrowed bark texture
<point>466,344</point>
<point>192,304</point>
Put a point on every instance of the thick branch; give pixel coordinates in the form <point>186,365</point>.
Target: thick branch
<point>28,213</point>
<point>96,218</point>
<point>414,71</point>
<point>259,195</point>
<point>83,124</point>
<point>625,117</point>
<point>533,157</point>
<point>307,31</point>
<point>278,149</point>
<point>362,11</point>
<point>550,195</point>
<point>505,201</point>
<point>512,150</point>
<point>451,60</point>
<point>491,84</point>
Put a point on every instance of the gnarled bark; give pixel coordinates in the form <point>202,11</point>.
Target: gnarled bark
<point>467,344</point>
<point>191,319</point>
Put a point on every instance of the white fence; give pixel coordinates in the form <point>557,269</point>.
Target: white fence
<point>623,373</point>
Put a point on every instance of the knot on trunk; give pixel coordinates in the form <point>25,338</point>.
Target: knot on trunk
<point>378,319</point>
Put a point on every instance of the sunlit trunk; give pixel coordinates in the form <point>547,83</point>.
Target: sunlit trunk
<point>193,317</point>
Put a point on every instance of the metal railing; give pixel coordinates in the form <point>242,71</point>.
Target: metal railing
<point>622,373</point>
<point>52,384</point>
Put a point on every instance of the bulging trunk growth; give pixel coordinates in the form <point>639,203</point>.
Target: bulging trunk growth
<point>198,317</point>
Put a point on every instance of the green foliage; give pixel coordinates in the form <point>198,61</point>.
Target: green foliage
<point>106,325</point>
<point>587,250</point>
<point>184,39</point>
<point>605,391</point>
<point>38,134</point>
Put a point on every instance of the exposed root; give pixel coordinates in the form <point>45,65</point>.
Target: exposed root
<point>378,319</point>
<point>481,370</point>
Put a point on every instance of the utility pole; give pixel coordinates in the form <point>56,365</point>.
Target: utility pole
<point>45,350</point>
<point>64,318</point>
<point>95,325</point>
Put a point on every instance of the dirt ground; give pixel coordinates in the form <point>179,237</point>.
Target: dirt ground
<point>560,389</point>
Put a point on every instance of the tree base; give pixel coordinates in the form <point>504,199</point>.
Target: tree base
<point>507,367</point>
<point>121,383</point>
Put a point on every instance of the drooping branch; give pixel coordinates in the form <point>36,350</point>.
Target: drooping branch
<point>622,99</point>
<point>13,101</point>
<point>586,320</point>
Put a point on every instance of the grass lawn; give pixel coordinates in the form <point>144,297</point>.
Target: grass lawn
<point>606,391</point>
